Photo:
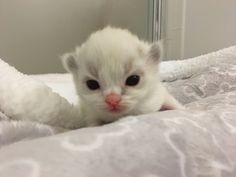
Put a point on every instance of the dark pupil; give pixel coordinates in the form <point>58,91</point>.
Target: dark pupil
<point>132,80</point>
<point>92,84</point>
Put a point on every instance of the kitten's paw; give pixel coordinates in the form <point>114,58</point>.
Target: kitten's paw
<point>171,103</point>
<point>93,123</point>
<point>181,107</point>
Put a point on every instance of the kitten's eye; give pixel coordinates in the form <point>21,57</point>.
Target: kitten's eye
<point>132,80</point>
<point>92,84</point>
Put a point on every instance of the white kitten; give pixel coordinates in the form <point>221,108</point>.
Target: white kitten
<point>115,75</point>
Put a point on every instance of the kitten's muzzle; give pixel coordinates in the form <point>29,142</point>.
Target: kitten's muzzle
<point>113,101</point>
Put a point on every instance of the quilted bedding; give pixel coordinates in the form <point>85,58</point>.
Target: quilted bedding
<point>197,142</point>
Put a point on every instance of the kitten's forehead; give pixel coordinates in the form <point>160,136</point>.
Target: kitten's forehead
<point>112,44</point>
<point>110,67</point>
<point>110,61</point>
<point>111,53</point>
<point>120,63</point>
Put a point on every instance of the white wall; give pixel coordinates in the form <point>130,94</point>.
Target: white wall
<point>195,27</point>
<point>131,14</point>
<point>34,33</point>
<point>172,28</point>
<point>209,25</point>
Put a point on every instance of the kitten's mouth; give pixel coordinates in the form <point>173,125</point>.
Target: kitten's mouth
<point>115,109</point>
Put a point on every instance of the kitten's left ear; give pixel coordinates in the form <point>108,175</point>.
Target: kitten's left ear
<point>155,52</point>
<point>69,62</point>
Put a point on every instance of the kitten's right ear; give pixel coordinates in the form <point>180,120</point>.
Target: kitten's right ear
<point>155,51</point>
<point>69,62</point>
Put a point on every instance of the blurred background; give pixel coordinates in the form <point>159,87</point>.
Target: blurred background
<point>34,33</point>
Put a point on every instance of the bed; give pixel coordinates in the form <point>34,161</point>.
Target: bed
<point>197,142</point>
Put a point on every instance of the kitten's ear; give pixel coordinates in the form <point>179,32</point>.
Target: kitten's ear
<point>155,52</point>
<point>69,62</point>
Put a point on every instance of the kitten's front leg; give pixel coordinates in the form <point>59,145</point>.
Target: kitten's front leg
<point>92,122</point>
<point>170,103</point>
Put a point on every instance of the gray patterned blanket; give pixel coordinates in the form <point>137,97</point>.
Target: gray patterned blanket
<point>197,142</point>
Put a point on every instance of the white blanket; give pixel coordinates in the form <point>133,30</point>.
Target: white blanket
<point>50,98</point>
<point>199,141</point>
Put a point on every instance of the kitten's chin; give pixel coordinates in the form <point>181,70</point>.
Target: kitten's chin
<point>111,115</point>
<point>120,111</point>
<point>116,110</point>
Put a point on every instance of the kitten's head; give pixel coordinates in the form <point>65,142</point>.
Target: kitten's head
<point>114,71</point>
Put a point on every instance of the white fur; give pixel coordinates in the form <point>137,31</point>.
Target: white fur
<point>110,56</point>
<point>24,98</point>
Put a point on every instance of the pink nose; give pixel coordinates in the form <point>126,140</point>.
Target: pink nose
<point>113,99</point>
